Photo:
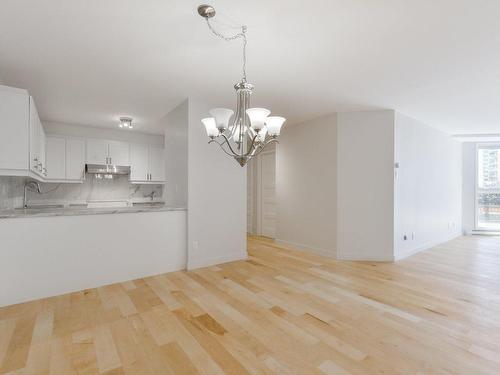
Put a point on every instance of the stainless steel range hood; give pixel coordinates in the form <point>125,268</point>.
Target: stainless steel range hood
<point>107,169</point>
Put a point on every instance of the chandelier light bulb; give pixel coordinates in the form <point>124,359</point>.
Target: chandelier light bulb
<point>274,124</point>
<point>222,117</point>
<point>257,117</point>
<point>210,127</point>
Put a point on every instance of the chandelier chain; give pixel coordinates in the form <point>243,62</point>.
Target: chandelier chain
<point>241,35</point>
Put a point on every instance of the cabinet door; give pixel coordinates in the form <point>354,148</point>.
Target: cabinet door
<point>34,142</point>
<point>119,153</point>
<point>139,162</point>
<point>157,163</point>
<point>56,158</point>
<point>14,130</point>
<point>97,151</point>
<point>42,139</point>
<point>75,159</point>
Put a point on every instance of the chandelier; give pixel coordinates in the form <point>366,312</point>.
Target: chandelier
<point>251,129</point>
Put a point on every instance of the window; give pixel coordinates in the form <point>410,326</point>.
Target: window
<point>488,187</point>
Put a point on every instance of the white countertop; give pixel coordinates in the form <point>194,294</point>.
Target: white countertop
<point>75,211</point>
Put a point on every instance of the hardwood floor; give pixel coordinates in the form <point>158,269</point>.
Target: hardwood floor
<point>280,312</point>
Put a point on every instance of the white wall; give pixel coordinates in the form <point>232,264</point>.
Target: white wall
<point>306,185</point>
<point>469,187</point>
<point>211,184</point>
<point>83,131</point>
<point>176,124</point>
<point>216,198</point>
<point>428,187</point>
<point>70,253</point>
<point>365,195</point>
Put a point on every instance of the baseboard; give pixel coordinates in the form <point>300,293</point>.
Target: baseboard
<point>353,257</point>
<point>217,260</point>
<point>426,246</point>
<point>311,249</point>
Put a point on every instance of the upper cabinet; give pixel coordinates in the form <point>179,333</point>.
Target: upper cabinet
<point>75,159</point>
<point>156,163</point>
<point>56,158</point>
<point>101,151</point>
<point>37,143</point>
<point>119,153</point>
<point>14,131</point>
<point>22,138</point>
<point>65,159</point>
<point>147,163</point>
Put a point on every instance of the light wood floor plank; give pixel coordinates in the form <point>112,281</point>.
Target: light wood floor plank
<point>283,311</point>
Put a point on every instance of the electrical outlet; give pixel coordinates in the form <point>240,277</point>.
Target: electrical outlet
<point>412,235</point>
<point>196,245</point>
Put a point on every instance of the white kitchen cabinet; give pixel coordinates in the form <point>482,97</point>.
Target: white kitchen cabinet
<point>139,160</point>
<point>36,142</point>
<point>101,151</point>
<point>56,158</point>
<point>97,151</point>
<point>65,159</point>
<point>147,163</point>
<point>119,153</point>
<point>14,131</point>
<point>156,163</point>
<point>75,159</point>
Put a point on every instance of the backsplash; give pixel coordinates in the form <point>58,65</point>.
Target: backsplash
<point>92,189</point>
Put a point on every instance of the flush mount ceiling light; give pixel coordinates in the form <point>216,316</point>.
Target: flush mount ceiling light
<point>125,122</point>
<point>252,129</point>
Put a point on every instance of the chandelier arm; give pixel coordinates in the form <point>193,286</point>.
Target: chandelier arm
<point>226,140</point>
<point>251,148</point>
<point>221,146</point>
<point>272,140</point>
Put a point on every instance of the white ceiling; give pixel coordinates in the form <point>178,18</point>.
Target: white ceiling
<point>91,61</point>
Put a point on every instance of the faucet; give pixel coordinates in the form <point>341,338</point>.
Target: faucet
<point>151,195</point>
<point>31,186</point>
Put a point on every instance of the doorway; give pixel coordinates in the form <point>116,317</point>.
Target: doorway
<point>488,187</point>
<point>262,210</point>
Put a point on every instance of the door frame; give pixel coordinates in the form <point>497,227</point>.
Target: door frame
<point>476,183</point>
<point>258,185</point>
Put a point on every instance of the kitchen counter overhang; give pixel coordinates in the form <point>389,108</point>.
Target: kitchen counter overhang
<point>78,211</point>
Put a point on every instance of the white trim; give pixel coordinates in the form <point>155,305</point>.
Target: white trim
<point>312,249</point>
<point>201,263</point>
<point>476,182</point>
<point>426,246</point>
<point>353,257</point>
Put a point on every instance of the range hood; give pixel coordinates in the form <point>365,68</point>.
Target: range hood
<point>106,169</point>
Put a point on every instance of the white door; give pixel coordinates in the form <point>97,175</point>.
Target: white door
<point>97,151</point>
<point>139,167</point>
<point>267,194</point>
<point>119,153</point>
<point>75,158</point>
<point>56,158</point>
<point>156,163</point>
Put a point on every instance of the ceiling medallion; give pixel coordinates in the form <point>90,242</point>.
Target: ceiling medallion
<point>251,129</point>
